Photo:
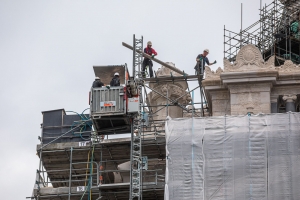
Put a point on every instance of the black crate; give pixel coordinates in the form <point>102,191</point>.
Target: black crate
<point>57,123</point>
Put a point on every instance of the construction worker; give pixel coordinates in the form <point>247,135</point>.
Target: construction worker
<point>97,83</point>
<point>201,60</point>
<point>115,80</point>
<point>151,52</point>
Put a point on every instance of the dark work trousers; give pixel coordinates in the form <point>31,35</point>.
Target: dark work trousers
<point>148,62</point>
<point>198,69</point>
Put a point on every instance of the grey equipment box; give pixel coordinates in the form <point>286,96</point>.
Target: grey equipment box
<point>57,122</point>
<point>107,102</point>
<point>133,105</point>
<point>108,111</point>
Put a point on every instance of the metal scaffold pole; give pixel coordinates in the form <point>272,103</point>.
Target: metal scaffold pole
<point>275,34</point>
<point>137,127</point>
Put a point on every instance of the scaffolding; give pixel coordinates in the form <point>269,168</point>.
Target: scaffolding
<point>139,133</point>
<point>80,163</point>
<point>277,34</point>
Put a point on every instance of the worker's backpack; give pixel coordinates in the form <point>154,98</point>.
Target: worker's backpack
<point>115,82</point>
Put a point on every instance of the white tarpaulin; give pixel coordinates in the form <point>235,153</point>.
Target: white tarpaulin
<point>233,157</point>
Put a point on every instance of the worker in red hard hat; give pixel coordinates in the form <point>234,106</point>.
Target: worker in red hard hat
<point>201,60</point>
<point>151,52</point>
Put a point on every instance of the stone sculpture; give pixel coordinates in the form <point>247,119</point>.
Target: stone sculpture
<point>174,91</point>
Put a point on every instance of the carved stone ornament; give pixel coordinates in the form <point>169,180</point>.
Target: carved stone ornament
<point>227,65</point>
<point>289,98</point>
<point>164,71</point>
<point>249,58</point>
<point>210,74</point>
<point>171,91</point>
<point>270,63</point>
<point>288,67</point>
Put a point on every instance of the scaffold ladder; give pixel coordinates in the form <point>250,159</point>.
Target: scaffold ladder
<point>137,127</point>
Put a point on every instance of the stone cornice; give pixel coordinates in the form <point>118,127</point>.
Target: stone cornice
<point>249,77</point>
<point>293,76</point>
<point>209,82</point>
<point>249,74</point>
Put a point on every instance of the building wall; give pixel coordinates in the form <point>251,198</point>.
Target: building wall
<point>251,85</point>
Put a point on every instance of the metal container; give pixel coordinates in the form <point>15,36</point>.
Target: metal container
<point>57,122</point>
<point>107,102</point>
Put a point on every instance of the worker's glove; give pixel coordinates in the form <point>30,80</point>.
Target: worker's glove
<point>152,55</point>
<point>215,62</point>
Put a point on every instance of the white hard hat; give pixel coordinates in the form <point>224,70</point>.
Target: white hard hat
<point>149,43</point>
<point>117,74</point>
<point>207,50</point>
<point>97,78</point>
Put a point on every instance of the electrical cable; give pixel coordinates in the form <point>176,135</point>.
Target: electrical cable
<point>83,128</point>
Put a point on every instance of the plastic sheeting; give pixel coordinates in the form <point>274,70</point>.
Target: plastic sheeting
<point>233,157</point>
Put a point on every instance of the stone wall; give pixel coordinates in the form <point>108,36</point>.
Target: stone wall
<point>251,85</point>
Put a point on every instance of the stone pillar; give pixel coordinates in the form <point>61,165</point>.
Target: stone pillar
<point>290,100</point>
<point>274,103</point>
<point>250,98</point>
<point>220,101</point>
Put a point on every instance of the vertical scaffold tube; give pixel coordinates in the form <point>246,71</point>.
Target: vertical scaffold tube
<point>70,177</point>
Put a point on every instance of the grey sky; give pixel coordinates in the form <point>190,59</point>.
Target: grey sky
<point>48,48</point>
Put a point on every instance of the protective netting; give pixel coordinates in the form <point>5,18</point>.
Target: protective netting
<point>233,157</point>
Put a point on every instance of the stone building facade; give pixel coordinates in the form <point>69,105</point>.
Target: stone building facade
<point>251,85</point>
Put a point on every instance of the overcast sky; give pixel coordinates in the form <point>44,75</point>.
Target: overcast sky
<point>48,48</point>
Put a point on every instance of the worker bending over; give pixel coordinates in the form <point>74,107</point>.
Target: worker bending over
<point>97,83</point>
<point>151,52</point>
<point>201,60</point>
<point>115,80</point>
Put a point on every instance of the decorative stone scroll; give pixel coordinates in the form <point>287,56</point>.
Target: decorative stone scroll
<point>270,63</point>
<point>288,67</point>
<point>164,71</point>
<point>210,74</point>
<point>290,98</point>
<point>249,58</point>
